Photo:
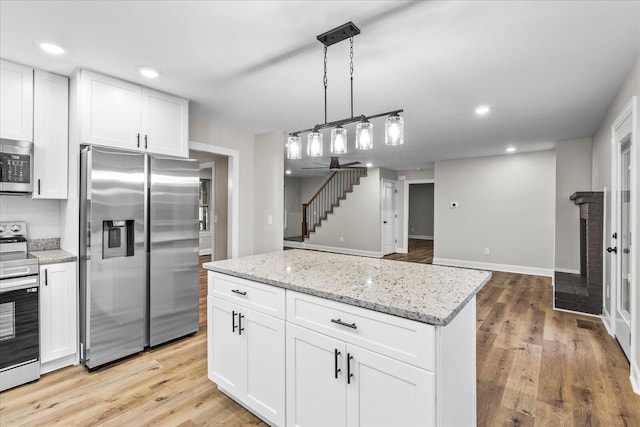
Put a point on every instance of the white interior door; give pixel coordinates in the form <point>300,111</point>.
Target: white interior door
<point>388,217</point>
<point>622,230</point>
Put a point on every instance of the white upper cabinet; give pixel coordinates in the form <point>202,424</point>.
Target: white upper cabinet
<point>109,111</point>
<point>118,114</point>
<point>50,135</point>
<point>165,123</point>
<point>16,101</point>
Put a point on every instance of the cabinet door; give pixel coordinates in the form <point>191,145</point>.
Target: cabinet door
<point>16,101</point>
<point>165,123</point>
<point>265,365</point>
<point>227,354</point>
<point>50,135</point>
<point>315,397</point>
<point>379,383</point>
<point>110,111</point>
<point>58,321</point>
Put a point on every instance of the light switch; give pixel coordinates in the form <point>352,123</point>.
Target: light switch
<point>269,219</point>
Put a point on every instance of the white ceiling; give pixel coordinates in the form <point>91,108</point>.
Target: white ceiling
<point>549,69</point>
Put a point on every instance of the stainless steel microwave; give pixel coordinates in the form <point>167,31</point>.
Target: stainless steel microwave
<point>16,166</point>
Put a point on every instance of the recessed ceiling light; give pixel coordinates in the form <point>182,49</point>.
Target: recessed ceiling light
<point>288,172</point>
<point>51,47</point>
<point>482,109</point>
<point>511,149</point>
<point>369,165</point>
<point>148,72</point>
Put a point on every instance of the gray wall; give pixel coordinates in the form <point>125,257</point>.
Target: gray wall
<point>573,173</point>
<point>356,220</point>
<point>268,187</point>
<point>293,206</point>
<point>601,180</point>
<point>421,210</point>
<point>506,204</point>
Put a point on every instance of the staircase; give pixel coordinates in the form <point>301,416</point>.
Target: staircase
<point>335,188</point>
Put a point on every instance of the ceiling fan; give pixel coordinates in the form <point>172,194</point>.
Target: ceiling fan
<point>335,164</point>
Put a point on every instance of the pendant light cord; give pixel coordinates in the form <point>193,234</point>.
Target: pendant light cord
<point>351,70</point>
<point>325,81</point>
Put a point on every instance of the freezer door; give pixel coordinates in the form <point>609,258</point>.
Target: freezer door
<point>173,257</point>
<point>112,271</point>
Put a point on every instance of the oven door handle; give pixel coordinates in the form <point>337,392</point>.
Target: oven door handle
<point>7,285</point>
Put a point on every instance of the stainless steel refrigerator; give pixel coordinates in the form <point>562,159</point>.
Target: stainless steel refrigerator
<point>138,252</point>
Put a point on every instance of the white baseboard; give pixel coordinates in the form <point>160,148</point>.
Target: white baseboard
<point>606,321</point>
<point>346,251</point>
<point>401,250</point>
<point>54,365</point>
<point>567,270</point>
<point>420,237</point>
<point>635,377</point>
<point>535,271</point>
<point>205,251</point>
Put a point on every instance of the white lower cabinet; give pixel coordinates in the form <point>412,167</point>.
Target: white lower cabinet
<point>333,383</point>
<point>345,365</point>
<point>246,357</point>
<point>58,316</point>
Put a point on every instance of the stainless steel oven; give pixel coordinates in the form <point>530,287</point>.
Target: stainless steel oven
<point>16,166</point>
<point>19,309</point>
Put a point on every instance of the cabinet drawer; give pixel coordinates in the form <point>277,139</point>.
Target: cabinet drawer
<point>257,296</point>
<point>402,339</point>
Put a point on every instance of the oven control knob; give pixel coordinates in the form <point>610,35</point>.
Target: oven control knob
<point>15,228</point>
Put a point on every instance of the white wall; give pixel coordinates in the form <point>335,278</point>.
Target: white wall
<point>356,220</point>
<point>573,173</point>
<point>268,184</point>
<point>209,133</point>
<point>42,216</point>
<point>601,179</point>
<point>293,206</point>
<point>421,210</point>
<point>506,204</point>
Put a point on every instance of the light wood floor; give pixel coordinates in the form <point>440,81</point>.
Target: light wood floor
<point>536,367</point>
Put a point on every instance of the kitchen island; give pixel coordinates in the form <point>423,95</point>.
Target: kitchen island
<point>311,338</point>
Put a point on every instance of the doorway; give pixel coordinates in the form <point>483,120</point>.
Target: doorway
<point>388,216</point>
<point>419,219</point>
<point>623,206</point>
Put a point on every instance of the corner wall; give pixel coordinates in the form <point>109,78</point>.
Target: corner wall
<point>506,204</point>
<point>573,173</point>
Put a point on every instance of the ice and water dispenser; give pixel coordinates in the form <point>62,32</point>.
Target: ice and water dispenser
<point>117,238</point>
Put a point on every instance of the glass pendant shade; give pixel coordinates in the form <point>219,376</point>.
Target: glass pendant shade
<point>314,144</point>
<point>394,130</point>
<point>338,140</point>
<point>364,135</point>
<point>294,147</point>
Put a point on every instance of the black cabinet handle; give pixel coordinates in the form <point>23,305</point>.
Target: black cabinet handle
<point>46,277</point>
<point>349,374</point>
<point>238,291</point>
<point>138,143</point>
<point>233,321</point>
<point>240,328</point>
<point>38,186</point>
<point>614,250</point>
<point>348,325</point>
<point>336,370</point>
<point>145,142</point>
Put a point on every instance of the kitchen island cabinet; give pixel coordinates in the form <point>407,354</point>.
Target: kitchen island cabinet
<point>368,341</point>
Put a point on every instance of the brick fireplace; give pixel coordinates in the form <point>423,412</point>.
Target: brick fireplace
<point>583,292</point>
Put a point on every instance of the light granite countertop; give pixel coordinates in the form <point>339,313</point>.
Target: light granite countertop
<point>426,293</point>
<point>53,256</point>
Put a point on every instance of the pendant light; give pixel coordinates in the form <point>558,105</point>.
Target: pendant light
<point>394,130</point>
<point>364,135</point>
<point>338,140</point>
<point>314,143</point>
<point>294,147</point>
<point>394,124</point>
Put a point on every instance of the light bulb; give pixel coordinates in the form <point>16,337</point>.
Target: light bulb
<point>294,147</point>
<point>338,140</point>
<point>364,135</point>
<point>394,130</point>
<point>314,144</point>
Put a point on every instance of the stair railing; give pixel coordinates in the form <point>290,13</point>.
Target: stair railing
<point>328,196</point>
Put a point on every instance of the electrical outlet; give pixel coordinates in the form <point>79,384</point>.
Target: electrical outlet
<point>269,219</point>
<point>341,239</point>
<point>487,251</point>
